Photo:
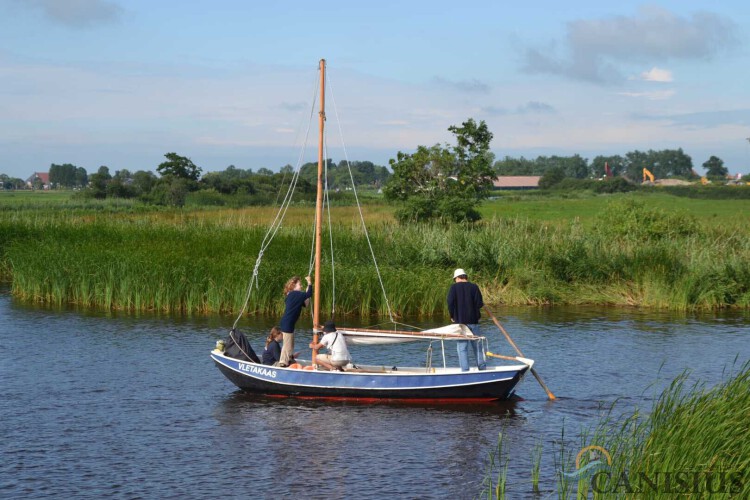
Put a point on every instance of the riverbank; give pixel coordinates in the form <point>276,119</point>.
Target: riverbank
<point>131,257</point>
<point>693,441</point>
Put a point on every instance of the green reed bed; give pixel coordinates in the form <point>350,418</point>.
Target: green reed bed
<point>694,442</point>
<point>202,261</point>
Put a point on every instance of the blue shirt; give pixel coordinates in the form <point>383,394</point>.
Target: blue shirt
<point>295,301</point>
<point>272,353</point>
<point>465,302</point>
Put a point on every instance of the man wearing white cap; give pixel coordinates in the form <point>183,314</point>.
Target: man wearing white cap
<point>464,305</point>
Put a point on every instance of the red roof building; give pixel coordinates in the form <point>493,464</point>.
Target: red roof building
<point>42,176</point>
<point>516,182</point>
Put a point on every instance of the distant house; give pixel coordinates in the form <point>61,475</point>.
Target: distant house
<point>516,182</point>
<point>42,176</point>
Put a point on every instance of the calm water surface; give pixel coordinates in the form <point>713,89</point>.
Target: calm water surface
<point>95,405</point>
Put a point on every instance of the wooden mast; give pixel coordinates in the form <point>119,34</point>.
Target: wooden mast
<point>319,206</point>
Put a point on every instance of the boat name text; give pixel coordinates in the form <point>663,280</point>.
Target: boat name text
<point>257,370</point>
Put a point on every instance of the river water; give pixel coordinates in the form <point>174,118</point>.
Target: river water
<point>99,405</point>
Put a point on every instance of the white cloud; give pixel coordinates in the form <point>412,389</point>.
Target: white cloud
<point>657,75</point>
<point>596,50</point>
<point>657,95</point>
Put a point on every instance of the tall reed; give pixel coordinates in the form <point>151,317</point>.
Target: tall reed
<point>498,461</point>
<point>200,261</point>
<point>536,465</point>
<point>694,442</point>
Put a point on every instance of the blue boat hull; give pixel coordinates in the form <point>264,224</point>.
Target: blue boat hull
<point>495,383</point>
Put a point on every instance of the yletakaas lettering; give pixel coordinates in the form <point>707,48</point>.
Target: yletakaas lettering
<point>266,372</point>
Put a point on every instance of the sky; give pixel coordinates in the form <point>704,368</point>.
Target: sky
<point>232,82</point>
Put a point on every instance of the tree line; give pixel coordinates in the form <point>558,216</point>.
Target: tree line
<point>667,163</point>
<point>179,175</point>
<point>441,182</point>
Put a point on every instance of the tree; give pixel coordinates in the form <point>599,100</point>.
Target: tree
<point>309,171</point>
<point>616,165</point>
<point>62,175</point>
<point>671,163</point>
<point>574,166</point>
<point>635,162</point>
<point>513,166</point>
<point>9,183</point>
<point>82,178</point>
<point>441,182</point>
<point>715,167</point>
<point>143,181</point>
<point>99,181</point>
<point>551,177</point>
<point>169,190</point>
<point>123,175</point>
<point>117,188</point>
<point>180,167</point>
<point>663,164</point>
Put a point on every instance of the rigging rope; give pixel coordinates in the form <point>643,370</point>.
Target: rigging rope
<point>330,232</point>
<point>286,202</point>
<point>359,206</point>
<point>278,219</point>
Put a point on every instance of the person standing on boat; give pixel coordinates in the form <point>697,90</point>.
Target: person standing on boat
<point>464,305</point>
<point>338,356</point>
<point>295,300</point>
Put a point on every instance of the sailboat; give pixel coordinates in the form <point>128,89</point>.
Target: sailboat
<point>370,382</point>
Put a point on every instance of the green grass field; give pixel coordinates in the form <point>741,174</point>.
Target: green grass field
<point>586,208</point>
<point>29,198</point>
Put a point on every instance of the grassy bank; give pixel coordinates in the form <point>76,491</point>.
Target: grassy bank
<point>126,256</point>
<point>694,443</point>
<point>582,206</point>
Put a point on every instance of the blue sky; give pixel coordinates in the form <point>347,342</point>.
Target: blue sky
<point>122,82</point>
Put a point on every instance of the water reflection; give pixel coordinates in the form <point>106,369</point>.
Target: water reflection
<point>348,442</point>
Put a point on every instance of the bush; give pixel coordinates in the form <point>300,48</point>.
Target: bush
<point>551,177</point>
<point>632,220</point>
<point>710,192</point>
<point>205,197</point>
<point>416,210</point>
<point>614,185</point>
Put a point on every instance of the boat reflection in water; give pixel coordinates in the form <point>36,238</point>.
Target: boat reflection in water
<point>386,446</point>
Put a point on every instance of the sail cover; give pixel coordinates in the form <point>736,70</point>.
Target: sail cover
<point>363,336</point>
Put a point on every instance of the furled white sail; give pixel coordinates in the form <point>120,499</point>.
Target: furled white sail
<point>363,336</point>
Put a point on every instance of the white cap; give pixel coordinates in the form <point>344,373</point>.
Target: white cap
<point>458,272</point>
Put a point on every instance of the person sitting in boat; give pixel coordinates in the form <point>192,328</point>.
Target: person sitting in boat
<point>338,356</point>
<point>272,352</point>
<point>464,305</point>
<point>295,300</point>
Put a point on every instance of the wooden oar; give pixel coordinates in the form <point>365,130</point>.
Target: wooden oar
<point>510,341</point>
<point>509,358</point>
